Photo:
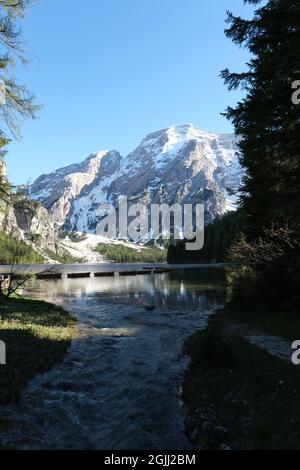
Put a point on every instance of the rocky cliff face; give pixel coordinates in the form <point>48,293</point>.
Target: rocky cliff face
<point>181,164</point>
<point>57,191</point>
<point>33,226</point>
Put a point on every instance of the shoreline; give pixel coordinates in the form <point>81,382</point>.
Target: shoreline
<point>69,381</point>
<point>55,306</point>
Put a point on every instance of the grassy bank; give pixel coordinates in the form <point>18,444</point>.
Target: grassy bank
<point>37,335</point>
<point>238,395</point>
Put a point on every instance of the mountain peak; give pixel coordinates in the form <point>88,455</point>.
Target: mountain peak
<point>178,164</point>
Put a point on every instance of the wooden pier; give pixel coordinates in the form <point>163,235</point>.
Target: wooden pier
<point>44,275</point>
<point>105,274</point>
<point>78,275</point>
<point>128,273</point>
<point>48,276</point>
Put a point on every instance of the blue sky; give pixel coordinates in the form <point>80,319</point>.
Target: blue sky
<point>108,72</point>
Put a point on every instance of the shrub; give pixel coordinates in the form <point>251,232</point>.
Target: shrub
<point>267,269</point>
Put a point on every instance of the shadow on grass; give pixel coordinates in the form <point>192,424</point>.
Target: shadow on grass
<point>248,396</point>
<point>210,350</point>
<point>37,336</point>
<point>26,356</point>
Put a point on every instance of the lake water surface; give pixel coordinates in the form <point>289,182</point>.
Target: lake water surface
<point>118,387</point>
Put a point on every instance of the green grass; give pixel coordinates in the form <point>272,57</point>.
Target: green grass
<point>37,335</point>
<point>124,254</point>
<point>254,396</point>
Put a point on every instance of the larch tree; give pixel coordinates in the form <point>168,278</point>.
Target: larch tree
<point>15,100</point>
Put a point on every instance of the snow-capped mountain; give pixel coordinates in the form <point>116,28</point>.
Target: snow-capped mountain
<point>180,164</point>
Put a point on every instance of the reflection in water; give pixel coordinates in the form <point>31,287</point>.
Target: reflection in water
<point>117,387</point>
<point>177,290</point>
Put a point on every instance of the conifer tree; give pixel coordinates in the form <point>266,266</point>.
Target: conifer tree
<point>266,120</point>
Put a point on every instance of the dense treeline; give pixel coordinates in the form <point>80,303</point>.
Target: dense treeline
<point>219,237</point>
<point>124,254</point>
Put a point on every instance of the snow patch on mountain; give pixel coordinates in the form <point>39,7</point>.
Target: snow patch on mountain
<point>85,249</point>
<point>181,164</point>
